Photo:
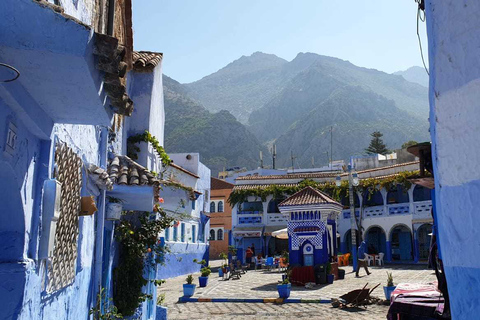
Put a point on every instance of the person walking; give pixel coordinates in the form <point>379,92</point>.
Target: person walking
<point>361,259</point>
<point>249,255</point>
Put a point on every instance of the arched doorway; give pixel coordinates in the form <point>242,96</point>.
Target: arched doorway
<point>372,199</point>
<point>348,240</point>
<point>424,237</point>
<point>376,240</point>
<point>401,243</point>
<point>397,194</point>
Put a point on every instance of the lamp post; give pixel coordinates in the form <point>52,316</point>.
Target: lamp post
<point>352,181</point>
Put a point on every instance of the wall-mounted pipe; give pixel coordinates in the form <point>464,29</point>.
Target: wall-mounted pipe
<point>111,17</point>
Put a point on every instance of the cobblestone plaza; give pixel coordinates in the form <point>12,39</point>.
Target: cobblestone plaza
<point>262,284</point>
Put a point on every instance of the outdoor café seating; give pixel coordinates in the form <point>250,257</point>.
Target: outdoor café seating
<point>379,259</point>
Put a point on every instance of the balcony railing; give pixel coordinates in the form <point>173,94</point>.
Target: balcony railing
<point>399,208</point>
<point>423,208</point>
<point>249,219</point>
<point>250,212</point>
<point>276,219</point>
<point>346,213</point>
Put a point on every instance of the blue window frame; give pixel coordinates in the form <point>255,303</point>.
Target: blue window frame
<point>175,233</point>
<point>194,233</point>
<point>167,234</point>
<point>183,233</point>
<point>193,204</point>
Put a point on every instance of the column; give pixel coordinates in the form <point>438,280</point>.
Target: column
<point>388,254</point>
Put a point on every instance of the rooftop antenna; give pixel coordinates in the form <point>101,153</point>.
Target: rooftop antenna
<point>331,144</point>
<point>261,159</point>
<point>274,153</point>
<point>293,161</point>
<point>313,162</point>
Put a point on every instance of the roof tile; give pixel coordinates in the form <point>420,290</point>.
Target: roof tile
<point>308,196</point>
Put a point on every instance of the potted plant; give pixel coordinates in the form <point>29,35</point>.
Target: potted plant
<point>284,288</point>
<point>204,271</point>
<point>224,267</point>
<point>330,276</point>
<point>341,273</point>
<point>189,287</point>
<point>114,208</point>
<point>390,287</point>
<point>233,251</point>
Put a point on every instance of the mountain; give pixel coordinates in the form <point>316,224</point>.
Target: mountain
<point>242,86</point>
<point>354,113</point>
<point>415,75</point>
<point>219,138</point>
<point>255,82</point>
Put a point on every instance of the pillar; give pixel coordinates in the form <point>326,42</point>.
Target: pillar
<point>388,255</point>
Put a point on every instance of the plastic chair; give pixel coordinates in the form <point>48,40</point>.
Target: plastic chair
<point>369,259</point>
<point>282,264</point>
<point>269,263</point>
<point>379,258</point>
<point>346,259</point>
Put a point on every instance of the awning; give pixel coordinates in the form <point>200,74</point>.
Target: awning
<point>248,232</point>
<point>281,234</point>
<point>139,198</point>
<point>270,229</point>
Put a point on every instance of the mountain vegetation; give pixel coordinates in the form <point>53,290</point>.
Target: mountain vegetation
<point>292,104</point>
<point>220,139</point>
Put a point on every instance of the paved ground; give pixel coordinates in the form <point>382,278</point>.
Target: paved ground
<point>262,284</point>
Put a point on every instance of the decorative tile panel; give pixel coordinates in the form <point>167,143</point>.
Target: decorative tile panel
<point>68,171</point>
<point>298,238</point>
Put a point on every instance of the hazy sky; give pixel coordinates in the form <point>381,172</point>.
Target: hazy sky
<point>198,37</point>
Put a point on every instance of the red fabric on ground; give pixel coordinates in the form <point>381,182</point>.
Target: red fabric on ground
<point>301,275</point>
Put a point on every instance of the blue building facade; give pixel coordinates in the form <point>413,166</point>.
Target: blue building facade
<point>453,45</point>
<point>65,123</point>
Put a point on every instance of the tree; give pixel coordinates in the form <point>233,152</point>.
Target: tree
<point>409,143</point>
<point>376,144</point>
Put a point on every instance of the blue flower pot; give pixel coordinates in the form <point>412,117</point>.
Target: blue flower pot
<point>203,281</point>
<point>284,290</point>
<point>189,289</point>
<point>220,272</point>
<point>330,278</point>
<point>388,291</point>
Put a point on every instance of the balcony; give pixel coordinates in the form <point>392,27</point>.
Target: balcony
<point>423,209</point>
<point>250,212</point>
<point>277,219</point>
<point>250,219</point>
<point>375,211</point>
<point>399,208</point>
<point>346,213</point>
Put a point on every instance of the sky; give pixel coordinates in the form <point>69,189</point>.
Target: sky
<point>199,37</point>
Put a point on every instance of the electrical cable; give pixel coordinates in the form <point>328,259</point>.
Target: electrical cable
<point>421,8</point>
<point>11,68</point>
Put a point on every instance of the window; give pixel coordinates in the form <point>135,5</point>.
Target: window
<point>212,206</point>
<point>175,233</point>
<point>194,231</point>
<point>220,206</point>
<point>167,234</point>
<point>193,204</point>
<point>219,234</point>
<point>212,235</point>
<point>183,233</point>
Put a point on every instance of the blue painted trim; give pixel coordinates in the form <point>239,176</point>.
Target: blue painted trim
<point>251,300</point>
<point>388,257</point>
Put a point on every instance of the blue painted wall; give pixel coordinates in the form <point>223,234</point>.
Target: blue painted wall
<point>453,30</point>
<point>180,260</point>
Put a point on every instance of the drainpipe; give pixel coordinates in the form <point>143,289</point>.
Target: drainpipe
<point>97,277</point>
<point>111,17</point>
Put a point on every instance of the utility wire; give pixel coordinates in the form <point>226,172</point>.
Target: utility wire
<point>421,7</point>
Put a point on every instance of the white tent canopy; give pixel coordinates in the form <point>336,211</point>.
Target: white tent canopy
<point>280,234</point>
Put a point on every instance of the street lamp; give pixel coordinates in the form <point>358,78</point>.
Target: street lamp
<point>352,181</point>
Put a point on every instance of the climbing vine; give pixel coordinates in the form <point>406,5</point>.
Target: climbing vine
<point>139,248</point>
<point>369,185</point>
<point>133,149</point>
